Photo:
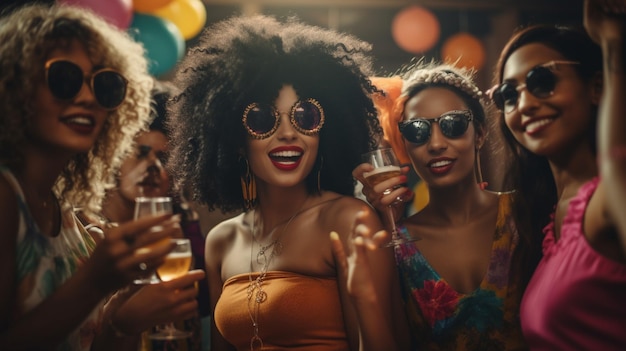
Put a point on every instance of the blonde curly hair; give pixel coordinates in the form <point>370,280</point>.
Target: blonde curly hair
<point>28,35</point>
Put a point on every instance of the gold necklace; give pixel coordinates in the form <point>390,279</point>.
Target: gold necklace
<point>255,287</point>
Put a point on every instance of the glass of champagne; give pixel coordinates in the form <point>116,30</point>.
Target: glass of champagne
<point>152,206</point>
<point>386,166</point>
<point>176,264</point>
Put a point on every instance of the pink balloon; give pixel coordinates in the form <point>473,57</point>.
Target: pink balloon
<point>117,12</point>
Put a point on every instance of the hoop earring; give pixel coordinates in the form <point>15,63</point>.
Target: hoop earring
<point>248,184</point>
<point>479,171</point>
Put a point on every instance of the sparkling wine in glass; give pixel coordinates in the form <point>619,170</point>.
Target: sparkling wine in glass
<point>176,264</point>
<point>152,206</point>
<point>386,166</point>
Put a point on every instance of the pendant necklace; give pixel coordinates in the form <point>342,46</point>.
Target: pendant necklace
<point>255,293</point>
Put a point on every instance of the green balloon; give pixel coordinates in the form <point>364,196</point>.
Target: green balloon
<point>162,40</point>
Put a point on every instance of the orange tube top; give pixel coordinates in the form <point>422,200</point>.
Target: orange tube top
<point>301,312</point>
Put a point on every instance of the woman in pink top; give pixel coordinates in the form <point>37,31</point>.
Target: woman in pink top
<point>556,97</point>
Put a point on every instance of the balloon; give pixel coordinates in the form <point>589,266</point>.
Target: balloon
<point>188,15</point>
<point>149,5</point>
<point>117,12</point>
<point>415,29</point>
<point>421,197</point>
<point>466,48</point>
<point>162,40</point>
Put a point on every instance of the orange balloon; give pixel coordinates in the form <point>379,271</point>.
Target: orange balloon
<point>149,5</point>
<point>464,50</point>
<point>415,29</point>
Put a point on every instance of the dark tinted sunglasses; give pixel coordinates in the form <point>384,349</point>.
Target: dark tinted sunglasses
<point>453,124</point>
<point>65,80</point>
<point>540,82</point>
<point>261,121</point>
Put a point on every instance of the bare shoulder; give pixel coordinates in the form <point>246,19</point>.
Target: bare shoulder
<point>342,214</point>
<point>225,231</point>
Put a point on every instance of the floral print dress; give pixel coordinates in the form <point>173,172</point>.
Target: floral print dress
<point>444,319</point>
<point>44,263</point>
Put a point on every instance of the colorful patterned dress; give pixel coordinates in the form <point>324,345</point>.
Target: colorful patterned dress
<point>44,263</point>
<point>444,319</point>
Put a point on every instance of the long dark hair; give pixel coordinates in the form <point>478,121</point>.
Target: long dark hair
<point>529,174</point>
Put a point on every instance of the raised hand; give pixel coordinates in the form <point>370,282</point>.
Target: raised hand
<point>354,265</point>
<point>605,20</point>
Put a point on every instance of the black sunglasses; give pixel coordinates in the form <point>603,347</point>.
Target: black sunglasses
<point>540,81</point>
<point>65,80</point>
<point>261,121</point>
<point>453,124</point>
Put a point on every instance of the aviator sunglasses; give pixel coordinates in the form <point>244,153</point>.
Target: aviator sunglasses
<point>261,121</point>
<point>453,124</point>
<point>540,82</point>
<point>65,80</point>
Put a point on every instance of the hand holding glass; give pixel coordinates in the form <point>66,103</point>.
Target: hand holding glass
<point>152,206</point>
<point>177,263</point>
<point>386,166</point>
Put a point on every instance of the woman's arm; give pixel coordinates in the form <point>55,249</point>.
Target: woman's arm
<point>136,309</point>
<point>368,278</point>
<point>605,21</point>
<point>112,265</point>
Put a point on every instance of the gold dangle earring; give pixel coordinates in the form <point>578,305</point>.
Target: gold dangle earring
<point>319,175</point>
<point>248,183</point>
<point>479,171</point>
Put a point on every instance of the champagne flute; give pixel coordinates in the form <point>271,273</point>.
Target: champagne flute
<point>151,206</point>
<point>386,166</point>
<point>176,264</point>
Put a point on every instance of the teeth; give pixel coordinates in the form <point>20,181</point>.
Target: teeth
<point>440,164</point>
<point>286,154</point>
<point>80,120</point>
<point>531,127</point>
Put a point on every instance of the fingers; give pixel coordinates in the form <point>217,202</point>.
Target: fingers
<point>358,172</point>
<point>365,238</point>
<point>388,192</point>
<point>613,7</point>
<point>187,280</point>
<point>130,230</point>
<point>339,252</point>
<point>169,228</point>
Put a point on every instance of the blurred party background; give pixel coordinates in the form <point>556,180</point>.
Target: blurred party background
<point>470,31</point>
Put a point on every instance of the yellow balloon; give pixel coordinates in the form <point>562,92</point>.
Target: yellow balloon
<point>149,5</point>
<point>421,196</point>
<point>188,15</point>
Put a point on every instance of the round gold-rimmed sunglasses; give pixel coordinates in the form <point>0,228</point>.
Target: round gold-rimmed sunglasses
<point>261,120</point>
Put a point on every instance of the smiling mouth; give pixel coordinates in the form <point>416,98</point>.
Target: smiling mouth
<point>438,164</point>
<point>286,157</point>
<point>537,125</point>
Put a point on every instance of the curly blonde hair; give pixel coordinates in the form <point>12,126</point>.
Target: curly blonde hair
<point>28,35</point>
